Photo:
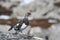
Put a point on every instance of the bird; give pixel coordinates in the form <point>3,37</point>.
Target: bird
<point>19,26</point>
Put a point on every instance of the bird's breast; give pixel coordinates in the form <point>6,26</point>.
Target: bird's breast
<point>23,26</point>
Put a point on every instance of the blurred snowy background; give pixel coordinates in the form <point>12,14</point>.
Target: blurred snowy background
<point>36,6</point>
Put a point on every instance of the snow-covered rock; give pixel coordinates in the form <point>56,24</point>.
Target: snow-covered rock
<point>54,32</point>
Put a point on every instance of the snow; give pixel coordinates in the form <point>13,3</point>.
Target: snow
<point>55,32</point>
<point>4,28</point>
<point>8,35</point>
<point>26,2</point>
<point>4,17</point>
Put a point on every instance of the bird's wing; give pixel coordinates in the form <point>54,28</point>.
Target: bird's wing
<point>12,27</point>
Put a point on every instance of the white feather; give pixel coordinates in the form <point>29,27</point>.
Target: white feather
<point>23,26</point>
